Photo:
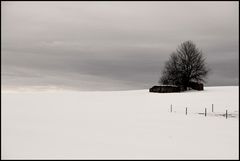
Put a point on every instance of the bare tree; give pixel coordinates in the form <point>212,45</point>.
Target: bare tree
<point>185,65</point>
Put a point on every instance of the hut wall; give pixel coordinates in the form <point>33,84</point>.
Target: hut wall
<point>196,86</point>
<point>164,89</point>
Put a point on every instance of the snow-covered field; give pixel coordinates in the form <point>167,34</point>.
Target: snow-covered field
<point>120,125</point>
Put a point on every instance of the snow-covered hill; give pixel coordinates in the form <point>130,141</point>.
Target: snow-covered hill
<point>120,125</point>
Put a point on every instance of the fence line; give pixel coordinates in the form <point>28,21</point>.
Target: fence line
<point>226,114</point>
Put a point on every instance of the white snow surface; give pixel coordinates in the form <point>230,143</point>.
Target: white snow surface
<point>120,125</point>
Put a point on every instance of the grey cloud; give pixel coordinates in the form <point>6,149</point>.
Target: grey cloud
<point>113,45</point>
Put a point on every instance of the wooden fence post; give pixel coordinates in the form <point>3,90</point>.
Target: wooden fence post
<point>186,110</point>
<point>226,114</point>
<point>171,108</point>
<point>205,112</point>
<point>212,108</point>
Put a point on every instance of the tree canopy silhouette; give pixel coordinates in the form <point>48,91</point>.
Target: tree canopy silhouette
<point>184,66</point>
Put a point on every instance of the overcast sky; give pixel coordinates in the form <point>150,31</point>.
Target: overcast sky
<point>113,45</point>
